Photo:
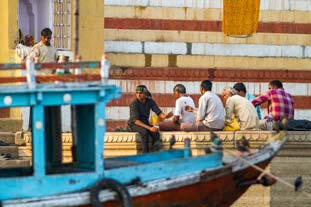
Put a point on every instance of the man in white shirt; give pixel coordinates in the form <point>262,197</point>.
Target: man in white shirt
<point>240,108</point>
<point>43,51</point>
<point>181,116</point>
<point>210,114</point>
<point>241,91</point>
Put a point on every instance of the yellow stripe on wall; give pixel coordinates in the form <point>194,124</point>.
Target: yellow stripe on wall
<point>205,37</point>
<point>227,62</point>
<point>200,14</point>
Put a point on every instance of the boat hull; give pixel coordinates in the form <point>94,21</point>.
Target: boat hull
<point>209,192</point>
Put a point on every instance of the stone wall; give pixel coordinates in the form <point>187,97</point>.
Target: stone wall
<point>163,43</point>
<point>292,161</point>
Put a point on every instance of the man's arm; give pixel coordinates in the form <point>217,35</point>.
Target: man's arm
<point>155,108</point>
<point>176,119</point>
<point>141,124</point>
<point>201,112</point>
<point>229,110</point>
<point>260,99</point>
<point>166,116</point>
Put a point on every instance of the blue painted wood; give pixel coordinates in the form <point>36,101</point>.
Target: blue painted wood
<point>38,142</point>
<point>38,186</point>
<point>100,129</point>
<point>152,157</point>
<point>48,176</point>
<point>50,96</point>
<point>53,136</point>
<point>165,169</point>
<point>85,135</point>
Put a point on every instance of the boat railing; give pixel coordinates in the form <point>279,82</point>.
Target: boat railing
<point>51,76</point>
<point>45,92</point>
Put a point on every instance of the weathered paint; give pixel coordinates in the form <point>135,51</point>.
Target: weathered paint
<point>205,37</point>
<point>200,14</point>
<point>190,190</point>
<point>47,175</point>
<point>8,22</point>
<point>279,50</point>
<point>179,48</point>
<point>300,5</point>
<point>200,25</point>
<point>91,29</point>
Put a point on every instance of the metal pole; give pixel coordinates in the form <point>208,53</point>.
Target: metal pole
<point>76,30</point>
<point>74,149</point>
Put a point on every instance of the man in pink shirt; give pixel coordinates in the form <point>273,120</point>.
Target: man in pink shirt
<point>280,104</point>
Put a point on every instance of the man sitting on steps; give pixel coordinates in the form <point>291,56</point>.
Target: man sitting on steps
<point>139,118</point>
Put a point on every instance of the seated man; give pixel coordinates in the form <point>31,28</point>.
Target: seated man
<point>210,114</point>
<point>181,116</point>
<point>239,108</point>
<point>280,105</point>
<point>241,90</point>
<point>139,118</point>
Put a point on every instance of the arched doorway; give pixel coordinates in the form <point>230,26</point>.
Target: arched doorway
<point>34,15</point>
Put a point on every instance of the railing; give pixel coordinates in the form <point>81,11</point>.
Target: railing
<point>51,76</point>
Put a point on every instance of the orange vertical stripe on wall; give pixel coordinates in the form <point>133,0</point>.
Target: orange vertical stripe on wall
<point>240,17</point>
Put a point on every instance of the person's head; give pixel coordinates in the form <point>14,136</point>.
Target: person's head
<point>179,90</point>
<point>46,35</point>
<point>142,93</point>
<point>228,92</point>
<point>240,89</point>
<point>206,85</point>
<point>275,84</point>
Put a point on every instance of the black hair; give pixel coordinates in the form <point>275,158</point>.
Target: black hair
<point>180,88</point>
<point>145,90</point>
<point>276,83</point>
<point>46,32</point>
<point>206,85</point>
<point>239,87</point>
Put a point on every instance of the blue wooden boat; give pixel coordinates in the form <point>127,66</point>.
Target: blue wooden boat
<point>165,178</point>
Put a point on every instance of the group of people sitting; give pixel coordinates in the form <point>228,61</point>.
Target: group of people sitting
<point>239,107</point>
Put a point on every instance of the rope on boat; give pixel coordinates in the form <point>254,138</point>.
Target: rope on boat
<point>264,172</point>
<point>113,185</point>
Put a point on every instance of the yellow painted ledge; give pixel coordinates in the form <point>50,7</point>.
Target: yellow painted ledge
<point>199,61</point>
<point>205,37</point>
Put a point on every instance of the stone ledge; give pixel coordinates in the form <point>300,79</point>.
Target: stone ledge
<point>128,143</point>
<point>14,163</point>
<point>226,136</point>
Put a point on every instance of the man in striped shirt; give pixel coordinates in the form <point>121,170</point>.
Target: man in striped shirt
<point>280,104</point>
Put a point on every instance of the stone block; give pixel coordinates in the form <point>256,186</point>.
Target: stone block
<point>12,150</point>
<point>10,125</point>
<point>14,163</point>
<point>7,137</point>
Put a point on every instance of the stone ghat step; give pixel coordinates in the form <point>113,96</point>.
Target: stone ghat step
<point>10,125</point>
<point>129,143</point>
<point>226,136</point>
<point>12,150</point>
<point>14,163</point>
<point>7,138</point>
